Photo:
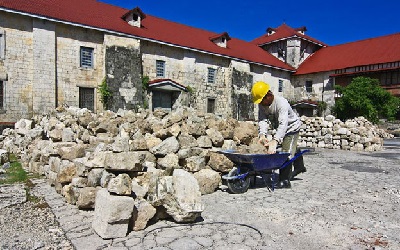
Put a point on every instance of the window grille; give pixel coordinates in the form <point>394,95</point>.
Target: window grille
<point>86,98</point>
<point>211,75</point>
<point>160,68</point>
<point>210,105</point>
<point>87,57</point>
<point>309,86</point>
<point>280,87</point>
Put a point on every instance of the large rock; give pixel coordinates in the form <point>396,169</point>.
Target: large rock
<point>120,185</point>
<point>220,162</point>
<point>23,126</point>
<point>142,213</point>
<point>72,152</point>
<point>194,163</point>
<point>215,136</point>
<point>245,132</point>
<point>208,180</point>
<point>124,161</point>
<point>112,214</point>
<point>179,194</point>
<point>66,172</point>
<point>169,145</point>
<point>86,198</point>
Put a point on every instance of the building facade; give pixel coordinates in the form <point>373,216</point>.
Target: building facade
<point>50,57</point>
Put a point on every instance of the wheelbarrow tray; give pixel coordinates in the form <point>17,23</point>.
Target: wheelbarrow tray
<point>256,162</point>
<point>252,165</point>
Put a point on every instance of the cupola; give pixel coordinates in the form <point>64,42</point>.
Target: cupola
<point>134,17</point>
<point>221,39</point>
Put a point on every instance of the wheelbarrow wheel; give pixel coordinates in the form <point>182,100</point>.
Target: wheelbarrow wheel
<point>238,186</point>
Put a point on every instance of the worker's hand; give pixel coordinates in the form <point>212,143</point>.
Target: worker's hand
<point>272,146</point>
<point>262,139</point>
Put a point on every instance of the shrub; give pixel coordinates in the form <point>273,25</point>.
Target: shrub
<point>364,97</point>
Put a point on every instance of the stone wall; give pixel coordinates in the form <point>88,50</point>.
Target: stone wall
<point>124,77</point>
<point>18,65</point>
<point>70,77</point>
<point>42,62</point>
<point>190,68</point>
<point>356,134</point>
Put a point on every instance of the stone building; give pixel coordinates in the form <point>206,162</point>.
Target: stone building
<point>55,52</point>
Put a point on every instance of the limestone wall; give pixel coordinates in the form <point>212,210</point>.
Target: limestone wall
<point>356,134</point>
<point>18,65</point>
<point>70,76</point>
<point>42,62</point>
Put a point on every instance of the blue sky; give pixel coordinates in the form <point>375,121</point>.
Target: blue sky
<point>331,21</point>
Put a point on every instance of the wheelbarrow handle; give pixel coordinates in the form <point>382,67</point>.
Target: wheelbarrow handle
<point>297,155</point>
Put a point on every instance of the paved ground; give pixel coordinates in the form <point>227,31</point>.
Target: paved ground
<point>346,200</point>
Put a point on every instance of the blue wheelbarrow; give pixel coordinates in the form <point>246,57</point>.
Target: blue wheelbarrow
<point>249,166</point>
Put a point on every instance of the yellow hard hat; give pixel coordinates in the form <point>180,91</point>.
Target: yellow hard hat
<point>259,90</point>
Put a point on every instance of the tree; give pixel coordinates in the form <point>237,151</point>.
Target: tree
<point>364,97</point>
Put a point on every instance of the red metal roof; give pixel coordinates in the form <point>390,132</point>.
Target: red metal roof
<point>282,32</point>
<point>108,17</point>
<point>377,50</point>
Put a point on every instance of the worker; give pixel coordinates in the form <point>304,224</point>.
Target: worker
<point>277,110</point>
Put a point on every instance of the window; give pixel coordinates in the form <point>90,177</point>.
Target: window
<point>87,57</point>
<point>390,78</point>
<point>160,68</point>
<point>309,86</point>
<point>86,98</point>
<point>210,105</point>
<point>280,86</point>
<point>2,45</point>
<point>211,75</point>
<point>1,95</point>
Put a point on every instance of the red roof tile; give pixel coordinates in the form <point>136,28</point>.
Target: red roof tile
<point>283,32</point>
<point>108,17</point>
<point>365,52</point>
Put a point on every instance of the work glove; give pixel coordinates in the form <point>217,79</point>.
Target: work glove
<point>272,146</point>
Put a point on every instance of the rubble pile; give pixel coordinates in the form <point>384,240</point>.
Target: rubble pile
<point>129,167</point>
<point>133,167</point>
<point>356,134</point>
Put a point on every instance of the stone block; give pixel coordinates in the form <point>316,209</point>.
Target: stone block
<point>112,214</point>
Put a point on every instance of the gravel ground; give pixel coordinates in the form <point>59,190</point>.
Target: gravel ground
<point>30,225</point>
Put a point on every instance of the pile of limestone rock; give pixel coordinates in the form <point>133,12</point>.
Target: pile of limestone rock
<point>356,134</point>
<point>133,167</point>
<point>130,167</point>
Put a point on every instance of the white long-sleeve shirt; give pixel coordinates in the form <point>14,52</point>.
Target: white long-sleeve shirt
<point>280,111</point>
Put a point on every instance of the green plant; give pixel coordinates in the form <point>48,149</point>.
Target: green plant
<point>105,93</point>
<point>364,97</point>
<point>145,82</point>
<point>321,107</point>
<point>190,89</point>
<point>15,173</point>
